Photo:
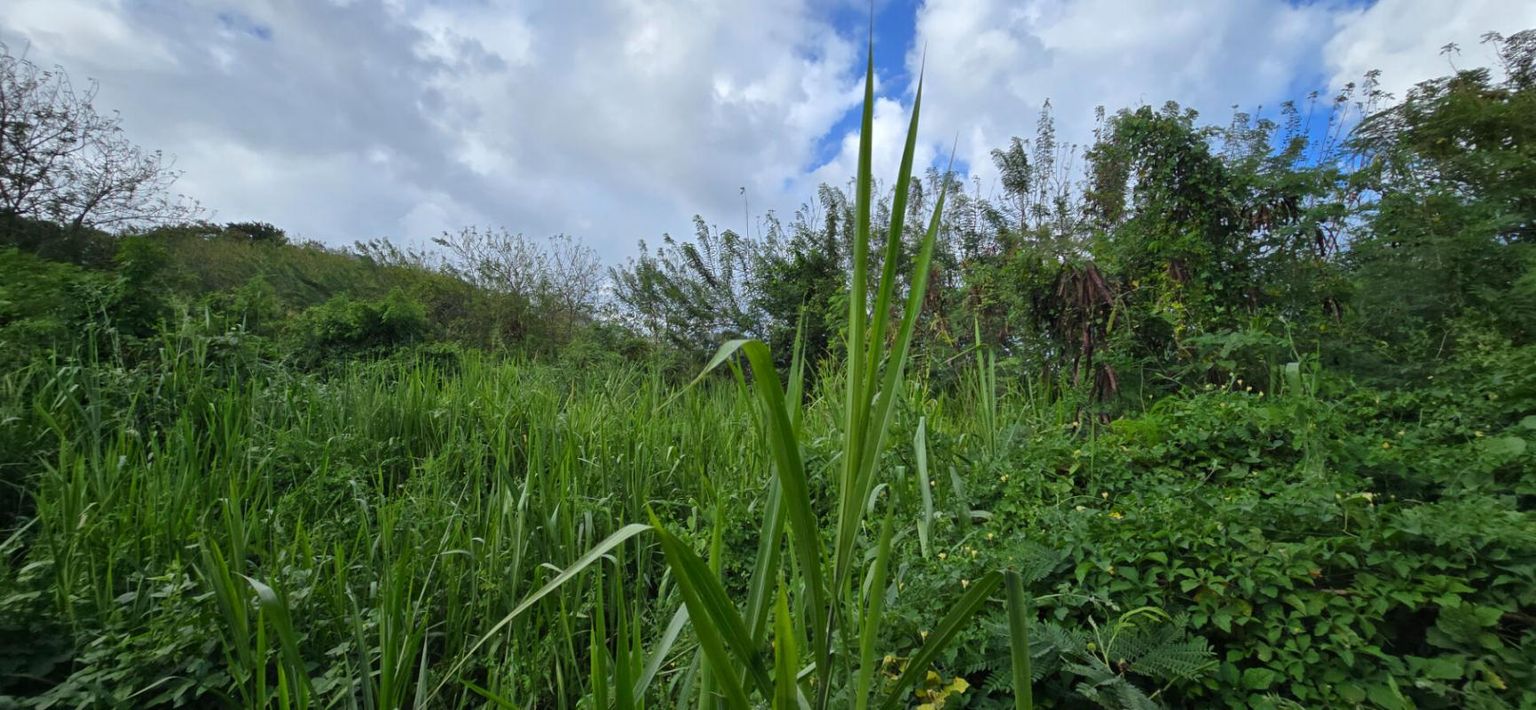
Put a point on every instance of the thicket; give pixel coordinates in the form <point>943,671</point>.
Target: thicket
<point>1244,410</point>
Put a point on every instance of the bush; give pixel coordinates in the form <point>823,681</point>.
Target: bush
<point>344,326</point>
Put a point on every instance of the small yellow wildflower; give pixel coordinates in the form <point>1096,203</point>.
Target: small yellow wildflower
<point>965,583</point>
<point>1116,514</point>
<point>1386,444</point>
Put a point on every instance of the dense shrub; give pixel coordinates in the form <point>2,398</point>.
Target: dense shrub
<point>344,325</point>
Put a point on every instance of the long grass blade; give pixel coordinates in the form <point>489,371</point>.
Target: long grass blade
<point>942,635</point>
<point>592,555</point>
<point>874,610</point>
<point>716,623</point>
<point>785,656</point>
<point>924,484</point>
<point>1018,641</point>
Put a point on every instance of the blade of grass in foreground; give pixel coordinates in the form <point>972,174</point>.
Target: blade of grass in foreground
<point>874,609</point>
<point>786,656</point>
<point>592,555</point>
<point>961,613</point>
<point>718,627</point>
<point>1018,640</point>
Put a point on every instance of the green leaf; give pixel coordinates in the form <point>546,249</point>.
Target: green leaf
<point>592,555</point>
<point>718,626</point>
<point>1505,447</point>
<point>786,658</point>
<point>1259,678</point>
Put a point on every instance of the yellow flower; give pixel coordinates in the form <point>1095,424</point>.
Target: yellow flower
<point>1386,444</point>
<point>1116,514</point>
<point>1477,434</point>
<point>965,583</point>
<point>990,536</point>
<point>943,555</point>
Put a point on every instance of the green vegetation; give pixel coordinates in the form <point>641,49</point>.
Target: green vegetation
<point>1243,418</point>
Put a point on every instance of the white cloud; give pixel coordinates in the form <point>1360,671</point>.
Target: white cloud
<point>1403,38</point>
<point>616,120</point>
<point>991,64</point>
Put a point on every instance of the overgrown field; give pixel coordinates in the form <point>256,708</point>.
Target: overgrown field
<point>1335,546</point>
<point>1236,420</point>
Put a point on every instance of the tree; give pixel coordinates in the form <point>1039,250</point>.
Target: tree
<point>1452,231</point>
<point>62,161</point>
<point>691,295</point>
<point>552,287</point>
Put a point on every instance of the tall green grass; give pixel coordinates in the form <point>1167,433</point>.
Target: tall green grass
<point>431,532</point>
<point>825,627</point>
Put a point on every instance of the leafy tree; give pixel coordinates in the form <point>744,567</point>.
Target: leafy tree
<point>1451,229</point>
<point>690,295</point>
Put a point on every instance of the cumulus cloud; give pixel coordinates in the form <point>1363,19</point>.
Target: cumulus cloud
<point>1403,39</point>
<point>616,120</point>
<point>991,64</point>
<point>613,120</point>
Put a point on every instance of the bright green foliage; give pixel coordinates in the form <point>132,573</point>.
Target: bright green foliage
<point>343,324</point>
<point>1248,420</point>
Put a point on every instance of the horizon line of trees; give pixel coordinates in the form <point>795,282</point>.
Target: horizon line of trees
<point>1167,251</point>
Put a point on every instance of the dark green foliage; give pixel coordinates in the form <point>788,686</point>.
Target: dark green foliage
<point>1450,238</point>
<point>1251,415</point>
<point>344,325</point>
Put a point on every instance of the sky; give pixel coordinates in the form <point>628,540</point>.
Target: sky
<point>618,120</point>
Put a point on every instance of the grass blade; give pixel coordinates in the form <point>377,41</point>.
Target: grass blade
<point>716,623</point>
<point>785,656</point>
<point>1018,641</point>
<point>874,609</point>
<point>592,555</point>
<point>962,612</point>
<point>924,484</point>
